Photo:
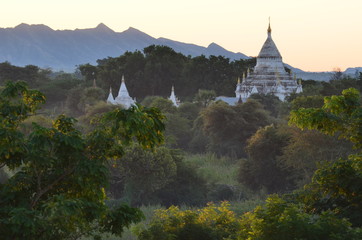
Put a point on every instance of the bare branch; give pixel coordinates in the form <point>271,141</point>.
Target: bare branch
<point>50,186</point>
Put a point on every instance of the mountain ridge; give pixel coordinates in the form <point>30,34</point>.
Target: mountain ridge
<point>40,45</point>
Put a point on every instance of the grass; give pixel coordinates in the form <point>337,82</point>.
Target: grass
<point>215,170</point>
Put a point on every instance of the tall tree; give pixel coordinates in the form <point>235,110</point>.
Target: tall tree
<point>261,169</point>
<point>336,187</point>
<point>229,127</point>
<point>58,191</point>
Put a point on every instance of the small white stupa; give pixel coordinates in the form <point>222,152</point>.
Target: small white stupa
<point>110,98</point>
<point>123,97</point>
<point>173,97</point>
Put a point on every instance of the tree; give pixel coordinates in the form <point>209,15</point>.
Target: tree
<point>270,102</point>
<point>165,105</point>
<point>229,127</point>
<point>338,186</point>
<point>145,171</point>
<point>58,191</point>
<point>261,169</point>
<point>90,97</point>
<point>342,114</point>
<point>205,97</point>
<point>282,220</point>
<point>307,102</point>
<point>163,68</point>
<point>210,223</point>
<point>308,150</point>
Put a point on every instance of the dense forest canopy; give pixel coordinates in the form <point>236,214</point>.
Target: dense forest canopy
<point>211,151</point>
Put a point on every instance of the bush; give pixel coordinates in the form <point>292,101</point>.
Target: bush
<point>210,223</point>
<point>280,220</point>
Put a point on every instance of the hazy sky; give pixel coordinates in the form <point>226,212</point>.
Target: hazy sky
<point>314,35</point>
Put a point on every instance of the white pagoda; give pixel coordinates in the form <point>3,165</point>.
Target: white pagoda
<point>123,97</point>
<point>269,75</point>
<point>173,98</point>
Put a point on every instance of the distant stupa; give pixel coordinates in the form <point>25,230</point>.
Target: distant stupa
<point>173,98</point>
<point>123,97</point>
<point>269,75</point>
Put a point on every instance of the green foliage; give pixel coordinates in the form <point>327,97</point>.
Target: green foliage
<point>165,105</point>
<point>56,90</point>
<point>90,97</point>
<point>261,169</point>
<point>93,113</point>
<point>205,97</point>
<point>307,150</point>
<point>271,103</point>
<point>153,72</point>
<point>27,126</point>
<point>342,114</point>
<point>61,174</point>
<point>188,110</point>
<point>148,100</point>
<point>211,222</point>
<point>307,102</point>
<point>186,188</point>
<point>30,73</point>
<point>219,170</point>
<point>73,100</point>
<point>178,131</point>
<point>229,127</point>
<point>144,172</point>
<point>280,220</point>
<point>337,187</point>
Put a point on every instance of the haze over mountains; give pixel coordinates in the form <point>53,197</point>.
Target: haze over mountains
<point>64,49</point>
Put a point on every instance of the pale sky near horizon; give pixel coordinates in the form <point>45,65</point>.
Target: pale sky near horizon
<point>313,35</point>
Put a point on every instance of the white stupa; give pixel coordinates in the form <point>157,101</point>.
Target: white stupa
<point>269,75</point>
<point>110,98</point>
<point>173,97</point>
<point>123,97</point>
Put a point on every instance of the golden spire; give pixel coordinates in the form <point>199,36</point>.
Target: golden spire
<point>238,80</point>
<point>269,28</point>
<point>243,77</point>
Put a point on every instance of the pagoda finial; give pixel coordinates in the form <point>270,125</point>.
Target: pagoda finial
<point>248,72</point>
<point>243,77</point>
<point>238,80</point>
<point>122,78</point>
<point>269,28</point>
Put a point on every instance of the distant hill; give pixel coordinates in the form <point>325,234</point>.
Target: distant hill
<point>64,49</point>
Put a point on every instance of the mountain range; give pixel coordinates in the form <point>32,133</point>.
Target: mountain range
<point>64,49</point>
